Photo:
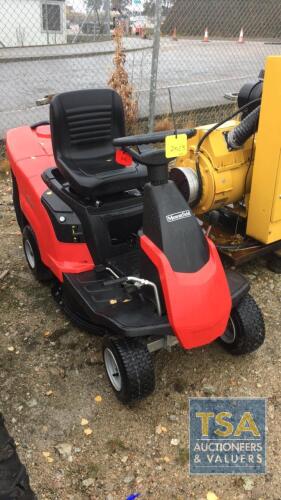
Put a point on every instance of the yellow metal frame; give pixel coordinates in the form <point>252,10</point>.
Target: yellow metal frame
<point>223,172</point>
<point>264,213</point>
<point>255,176</point>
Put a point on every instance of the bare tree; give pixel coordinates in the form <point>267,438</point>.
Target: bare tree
<point>93,4</point>
<point>119,4</point>
<point>149,7</point>
<point>119,81</point>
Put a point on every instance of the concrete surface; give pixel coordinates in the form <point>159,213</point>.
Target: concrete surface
<point>20,54</point>
<point>199,75</point>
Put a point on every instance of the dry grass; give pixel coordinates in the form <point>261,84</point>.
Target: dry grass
<point>119,81</point>
<point>194,118</point>
<point>163,124</point>
<point>183,120</point>
<point>115,445</point>
<point>4,164</point>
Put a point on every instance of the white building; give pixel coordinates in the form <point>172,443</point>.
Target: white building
<point>32,22</point>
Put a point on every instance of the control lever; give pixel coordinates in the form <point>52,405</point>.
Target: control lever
<point>155,160</point>
<point>152,138</point>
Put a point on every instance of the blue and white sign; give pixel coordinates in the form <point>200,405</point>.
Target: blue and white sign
<point>227,436</point>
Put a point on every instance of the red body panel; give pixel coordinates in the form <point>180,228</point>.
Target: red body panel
<point>198,304</point>
<point>30,153</point>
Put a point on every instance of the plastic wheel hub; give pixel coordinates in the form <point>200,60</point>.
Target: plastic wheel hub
<point>112,369</point>
<point>230,334</point>
<point>29,254</point>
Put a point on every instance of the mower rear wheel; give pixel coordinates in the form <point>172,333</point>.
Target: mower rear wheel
<point>129,368</point>
<point>245,331</point>
<point>16,202</point>
<point>32,255</point>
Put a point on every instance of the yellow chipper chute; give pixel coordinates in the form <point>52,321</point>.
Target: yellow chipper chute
<point>231,175</point>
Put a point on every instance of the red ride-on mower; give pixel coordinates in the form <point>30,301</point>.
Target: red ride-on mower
<point>128,258</point>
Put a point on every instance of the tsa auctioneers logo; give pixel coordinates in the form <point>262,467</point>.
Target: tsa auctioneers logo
<point>227,436</point>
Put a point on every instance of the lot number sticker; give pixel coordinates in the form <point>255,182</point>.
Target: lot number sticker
<point>176,145</point>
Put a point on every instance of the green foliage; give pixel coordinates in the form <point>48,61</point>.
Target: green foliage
<point>114,4</point>
<point>149,8</point>
<point>119,4</point>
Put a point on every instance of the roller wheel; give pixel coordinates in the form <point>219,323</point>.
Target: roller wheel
<point>129,368</point>
<point>245,331</point>
<point>32,255</point>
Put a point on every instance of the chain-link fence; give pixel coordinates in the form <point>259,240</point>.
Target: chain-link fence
<point>207,50</point>
<point>52,46</point>
<point>210,48</point>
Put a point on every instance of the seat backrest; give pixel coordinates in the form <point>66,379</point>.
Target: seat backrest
<point>83,125</point>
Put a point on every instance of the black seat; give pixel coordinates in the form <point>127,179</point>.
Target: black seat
<point>83,125</point>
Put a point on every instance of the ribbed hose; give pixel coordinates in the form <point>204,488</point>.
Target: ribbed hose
<point>239,135</point>
<point>209,131</point>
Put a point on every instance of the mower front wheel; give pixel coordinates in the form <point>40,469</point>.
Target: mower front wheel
<point>245,331</point>
<point>129,368</point>
<point>32,255</point>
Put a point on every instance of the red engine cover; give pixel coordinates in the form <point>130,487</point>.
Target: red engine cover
<point>30,153</point>
<point>198,304</point>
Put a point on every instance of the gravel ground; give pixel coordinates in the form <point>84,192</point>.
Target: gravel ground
<point>52,377</point>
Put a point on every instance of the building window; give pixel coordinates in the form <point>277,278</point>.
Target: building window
<point>51,17</point>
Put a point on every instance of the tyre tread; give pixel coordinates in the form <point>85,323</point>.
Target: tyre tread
<point>248,317</point>
<point>138,368</point>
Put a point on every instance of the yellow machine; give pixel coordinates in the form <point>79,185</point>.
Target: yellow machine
<point>238,165</point>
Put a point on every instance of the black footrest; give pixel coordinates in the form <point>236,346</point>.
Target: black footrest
<point>112,306</point>
<point>127,264</point>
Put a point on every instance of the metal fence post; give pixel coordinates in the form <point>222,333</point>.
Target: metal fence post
<point>83,23</point>
<point>107,16</point>
<point>154,65</point>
